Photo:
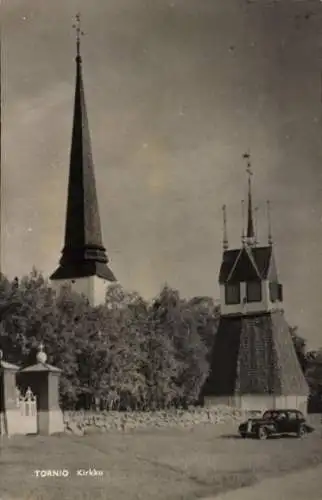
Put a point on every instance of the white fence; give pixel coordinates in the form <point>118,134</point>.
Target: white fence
<point>27,405</point>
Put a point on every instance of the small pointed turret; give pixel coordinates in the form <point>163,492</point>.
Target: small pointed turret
<point>256,209</point>
<point>84,254</point>
<point>243,237</point>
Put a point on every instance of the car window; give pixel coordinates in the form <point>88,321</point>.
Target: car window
<point>292,415</point>
<point>300,415</point>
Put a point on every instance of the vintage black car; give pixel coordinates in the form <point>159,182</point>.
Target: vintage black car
<point>276,423</point>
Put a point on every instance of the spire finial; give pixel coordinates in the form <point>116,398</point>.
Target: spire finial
<point>250,234</point>
<point>270,237</point>
<point>225,235</point>
<point>79,33</point>
<point>41,355</point>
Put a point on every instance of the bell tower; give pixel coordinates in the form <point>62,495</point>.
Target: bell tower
<point>84,261</point>
<point>253,363</point>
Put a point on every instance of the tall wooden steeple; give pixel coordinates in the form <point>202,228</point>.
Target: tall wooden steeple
<point>84,260</point>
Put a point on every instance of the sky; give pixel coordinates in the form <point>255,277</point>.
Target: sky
<point>176,91</point>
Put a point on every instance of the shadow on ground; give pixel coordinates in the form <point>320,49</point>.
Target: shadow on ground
<point>238,437</point>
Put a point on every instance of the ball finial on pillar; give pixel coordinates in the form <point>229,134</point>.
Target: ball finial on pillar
<point>41,355</point>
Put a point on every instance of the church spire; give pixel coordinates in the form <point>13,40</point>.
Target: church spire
<point>250,232</point>
<point>83,254</point>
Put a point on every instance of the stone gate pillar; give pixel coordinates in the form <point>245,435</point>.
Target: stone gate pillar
<point>43,379</point>
<point>9,411</point>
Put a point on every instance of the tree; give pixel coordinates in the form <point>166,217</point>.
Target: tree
<point>181,323</point>
<point>35,316</point>
<point>314,378</point>
<point>207,316</point>
<point>299,345</point>
<point>127,353</point>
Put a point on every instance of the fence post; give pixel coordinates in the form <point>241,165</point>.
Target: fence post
<point>9,413</point>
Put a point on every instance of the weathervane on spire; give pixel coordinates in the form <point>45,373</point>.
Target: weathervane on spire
<point>79,32</point>
<point>247,157</point>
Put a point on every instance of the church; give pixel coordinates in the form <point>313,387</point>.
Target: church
<point>254,365</point>
<point>84,261</point>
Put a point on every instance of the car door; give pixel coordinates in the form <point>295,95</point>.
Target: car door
<point>300,419</point>
<point>293,421</point>
<point>282,422</point>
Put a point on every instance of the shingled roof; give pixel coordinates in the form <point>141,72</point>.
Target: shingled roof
<point>255,355</point>
<point>246,264</point>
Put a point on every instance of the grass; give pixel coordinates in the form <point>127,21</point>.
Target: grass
<point>170,464</point>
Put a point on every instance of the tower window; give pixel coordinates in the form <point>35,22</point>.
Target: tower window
<point>273,292</point>
<point>254,291</point>
<point>232,293</point>
<point>280,293</point>
<point>276,292</point>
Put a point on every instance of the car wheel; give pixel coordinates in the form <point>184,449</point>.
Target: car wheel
<point>262,433</point>
<point>301,431</point>
<point>243,435</point>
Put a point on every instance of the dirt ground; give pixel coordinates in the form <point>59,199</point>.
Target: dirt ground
<point>292,486</point>
<point>167,464</point>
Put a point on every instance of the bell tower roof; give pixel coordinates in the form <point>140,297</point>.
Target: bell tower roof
<point>248,264</point>
<point>251,261</point>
